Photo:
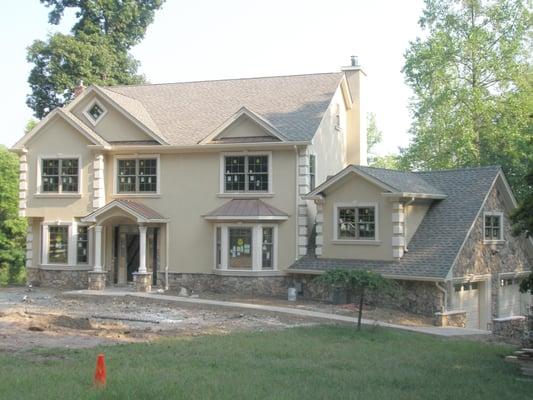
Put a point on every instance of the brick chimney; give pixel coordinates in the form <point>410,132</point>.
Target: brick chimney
<point>356,151</point>
<point>79,89</point>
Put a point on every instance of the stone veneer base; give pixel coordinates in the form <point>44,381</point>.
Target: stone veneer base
<point>59,279</point>
<point>246,285</point>
<point>142,281</point>
<point>97,280</point>
<point>451,318</point>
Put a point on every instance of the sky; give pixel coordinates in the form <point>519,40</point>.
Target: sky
<point>210,39</point>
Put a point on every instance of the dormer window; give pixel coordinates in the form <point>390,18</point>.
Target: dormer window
<point>95,112</point>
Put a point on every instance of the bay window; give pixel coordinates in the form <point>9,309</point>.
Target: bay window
<point>58,244</point>
<point>250,247</point>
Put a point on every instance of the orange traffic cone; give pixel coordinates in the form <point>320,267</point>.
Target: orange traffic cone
<point>100,373</point>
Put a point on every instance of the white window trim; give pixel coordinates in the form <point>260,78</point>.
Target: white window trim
<point>257,247</point>
<point>502,221</point>
<point>253,194</point>
<point>88,115</point>
<point>372,242</point>
<point>58,156</point>
<point>71,244</point>
<point>116,158</point>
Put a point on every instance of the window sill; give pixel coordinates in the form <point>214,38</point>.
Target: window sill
<point>65,267</point>
<point>357,242</point>
<point>59,195</point>
<point>493,241</point>
<point>233,272</point>
<point>141,195</point>
<point>247,195</point>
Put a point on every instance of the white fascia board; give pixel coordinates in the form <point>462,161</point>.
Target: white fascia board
<point>211,147</point>
<point>263,123</point>
<point>125,113</point>
<point>346,171</point>
<point>414,195</point>
<point>58,112</point>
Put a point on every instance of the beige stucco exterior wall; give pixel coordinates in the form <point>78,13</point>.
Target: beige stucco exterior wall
<point>189,189</point>
<point>414,214</point>
<point>59,138</point>
<point>354,189</point>
<point>114,126</point>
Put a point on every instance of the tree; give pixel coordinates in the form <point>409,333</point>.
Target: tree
<point>359,281</point>
<point>12,227</point>
<point>522,217</point>
<point>373,138</point>
<point>471,79</point>
<point>96,51</point>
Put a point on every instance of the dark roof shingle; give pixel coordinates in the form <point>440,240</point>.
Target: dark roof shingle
<point>440,235</point>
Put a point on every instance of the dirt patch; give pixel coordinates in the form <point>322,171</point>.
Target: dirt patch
<point>45,318</point>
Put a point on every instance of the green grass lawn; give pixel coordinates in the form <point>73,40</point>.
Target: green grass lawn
<point>325,362</point>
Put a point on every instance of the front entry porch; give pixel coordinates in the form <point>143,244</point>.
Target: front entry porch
<point>127,245</point>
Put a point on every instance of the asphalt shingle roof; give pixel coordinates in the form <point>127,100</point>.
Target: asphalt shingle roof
<point>402,181</point>
<point>439,237</point>
<point>185,113</point>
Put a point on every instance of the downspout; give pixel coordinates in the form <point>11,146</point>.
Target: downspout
<point>443,290</point>
<point>166,254</point>
<point>296,216</point>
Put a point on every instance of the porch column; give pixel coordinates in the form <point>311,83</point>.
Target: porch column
<point>142,249</point>
<point>98,248</point>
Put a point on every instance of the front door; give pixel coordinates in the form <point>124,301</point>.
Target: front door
<point>132,254</point>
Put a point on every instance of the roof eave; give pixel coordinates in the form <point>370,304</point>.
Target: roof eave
<point>414,195</point>
<point>389,276</point>
<point>210,147</point>
<point>246,218</point>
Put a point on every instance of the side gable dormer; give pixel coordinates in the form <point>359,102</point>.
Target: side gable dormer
<point>115,117</point>
<point>244,126</point>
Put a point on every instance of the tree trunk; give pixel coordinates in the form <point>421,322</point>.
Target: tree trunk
<point>360,309</point>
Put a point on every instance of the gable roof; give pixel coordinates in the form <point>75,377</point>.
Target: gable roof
<point>140,211</point>
<point>245,112</point>
<point>402,183</point>
<point>71,119</point>
<point>441,234</point>
<point>185,113</point>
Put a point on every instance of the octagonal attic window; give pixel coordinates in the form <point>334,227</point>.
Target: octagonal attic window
<point>95,112</point>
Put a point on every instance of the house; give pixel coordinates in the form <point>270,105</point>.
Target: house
<point>444,235</point>
<point>222,185</point>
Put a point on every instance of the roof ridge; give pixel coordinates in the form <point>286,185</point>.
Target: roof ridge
<point>459,169</point>
<point>219,80</point>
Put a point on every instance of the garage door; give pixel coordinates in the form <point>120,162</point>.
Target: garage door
<point>466,298</point>
<point>510,299</point>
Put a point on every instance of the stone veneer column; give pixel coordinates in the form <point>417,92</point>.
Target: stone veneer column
<point>98,182</point>
<point>398,230</point>
<point>319,227</point>
<point>23,182</point>
<point>303,188</point>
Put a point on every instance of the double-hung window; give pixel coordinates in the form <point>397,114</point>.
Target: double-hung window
<point>246,173</point>
<point>312,172</point>
<point>356,223</point>
<point>137,175</point>
<point>82,245</point>
<point>58,244</point>
<point>493,225</point>
<point>59,175</point>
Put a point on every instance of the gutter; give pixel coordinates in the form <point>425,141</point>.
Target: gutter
<point>389,276</point>
<point>157,148</point>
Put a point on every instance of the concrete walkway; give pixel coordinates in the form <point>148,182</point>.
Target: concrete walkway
<point>124,292</point>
